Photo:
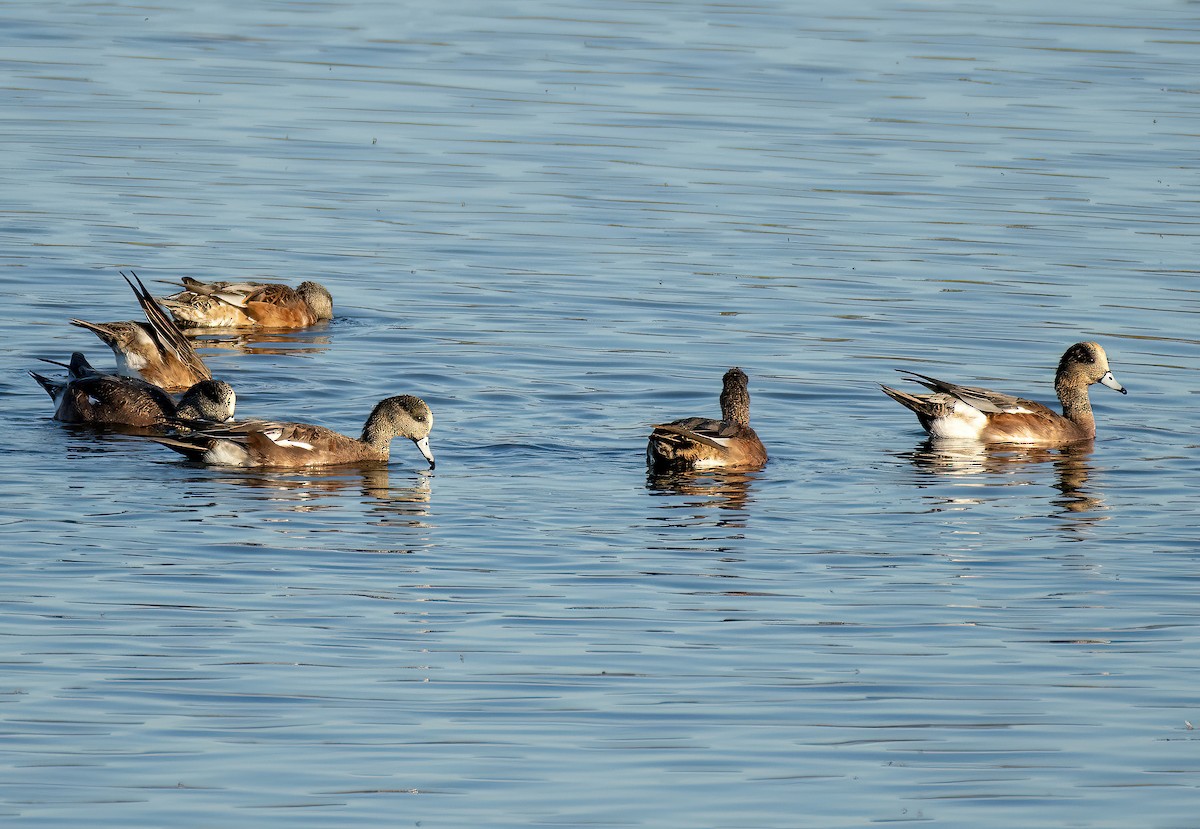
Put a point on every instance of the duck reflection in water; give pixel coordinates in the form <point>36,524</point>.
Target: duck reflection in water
<point>261,342</point>
<point>727,490</point>
<point>1071,464</point>
<point>322,489</point>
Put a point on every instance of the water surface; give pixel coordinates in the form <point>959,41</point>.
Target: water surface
<point>559,225</point>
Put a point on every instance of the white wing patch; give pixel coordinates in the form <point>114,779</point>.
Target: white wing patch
<point>234,299</point>
<point>295,444</point>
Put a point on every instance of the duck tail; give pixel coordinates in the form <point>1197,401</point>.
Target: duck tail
<point>52,387</point>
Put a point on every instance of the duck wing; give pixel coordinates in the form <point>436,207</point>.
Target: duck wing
<point>984,400</point>
<point>710,432</point>
<point>107,398</point>
<point>164,331</point>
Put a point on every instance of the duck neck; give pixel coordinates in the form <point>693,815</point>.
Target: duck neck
<point>735,406</point>
<point>1077,408</point>
<point>377,437</point>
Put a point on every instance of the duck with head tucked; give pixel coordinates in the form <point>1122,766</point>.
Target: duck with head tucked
<point>704,443</point>
<point>154,350</point>
<point>248,304</point>
<point>286,445</point>
<point>92,397</point>
<point>963,412</point>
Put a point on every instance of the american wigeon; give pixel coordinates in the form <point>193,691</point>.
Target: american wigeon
<point>155,350</point>
<point>209,400</point>
<point>92,397</point>
<point>248,304</point>
<point>703,443</point>
<point>962,412</point>
<point>299,445</point>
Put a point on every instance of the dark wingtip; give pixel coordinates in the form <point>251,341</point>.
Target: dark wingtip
<point>139,289</point>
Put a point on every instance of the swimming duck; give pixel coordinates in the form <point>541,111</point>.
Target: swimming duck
<point>963,412</point>
<point>300,445</point>
<point>92,397</point>
<point>155,350</point>
<point>703,443</point>
<point>248,304</point>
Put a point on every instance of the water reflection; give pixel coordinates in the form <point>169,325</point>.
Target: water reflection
<point>1071,465</point>
<point>320,489</point>
<point>724,490</point>
<point>103,438</point>
<point>261,340</point>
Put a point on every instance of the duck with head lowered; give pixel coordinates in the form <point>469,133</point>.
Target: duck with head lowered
<point>92,397</point>
<point>290,445</point>
<point>248,304</point>
<point>154,350</point>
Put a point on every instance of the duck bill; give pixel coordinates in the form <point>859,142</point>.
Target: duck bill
<point>101,331</point>
<point>1111,382</point>
<point>423,445</point>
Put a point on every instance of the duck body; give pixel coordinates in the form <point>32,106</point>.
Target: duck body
<point>108,400</point>
<point>705,443</point>
<point>92,397</point>
<point>289,445</point>
<point>954,412</point>
<point>249,305</point>
<point>154,350</point>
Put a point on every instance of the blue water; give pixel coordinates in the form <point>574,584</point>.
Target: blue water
<point>560,223</point>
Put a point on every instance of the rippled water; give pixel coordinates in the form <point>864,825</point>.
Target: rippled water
<point>560,223</point>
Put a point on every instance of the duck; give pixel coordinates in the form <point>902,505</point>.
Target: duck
<point>703,443</point>
<point>154,350</point>
<point>212,401</point>
<point>962,412</point>
<point>248,304</point>
<point>289,445</point>
<point>93,397</point>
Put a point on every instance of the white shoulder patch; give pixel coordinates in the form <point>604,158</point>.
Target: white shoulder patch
<point>235,299</point>
<point>295,444</point>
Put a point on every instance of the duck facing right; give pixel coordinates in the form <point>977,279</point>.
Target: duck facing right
<point>966,413</point>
